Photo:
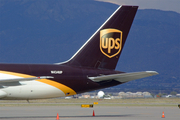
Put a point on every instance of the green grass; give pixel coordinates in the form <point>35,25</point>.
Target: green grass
<point>172,102</point>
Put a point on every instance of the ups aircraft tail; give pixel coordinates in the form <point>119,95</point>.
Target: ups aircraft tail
<point>91,67</point>
<point>104,47</point>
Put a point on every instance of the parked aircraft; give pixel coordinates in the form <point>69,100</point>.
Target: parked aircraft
<point>92,67</point>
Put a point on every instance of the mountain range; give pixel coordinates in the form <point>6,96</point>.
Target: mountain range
<point>47,31</point>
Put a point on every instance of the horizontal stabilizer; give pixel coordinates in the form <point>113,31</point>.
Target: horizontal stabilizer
<point>124,77</point>
<point>23,79</point>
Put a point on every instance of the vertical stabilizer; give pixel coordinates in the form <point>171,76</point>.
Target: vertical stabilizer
<point>104,47</point>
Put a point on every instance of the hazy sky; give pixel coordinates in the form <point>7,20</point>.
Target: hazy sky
<point>168,5</point>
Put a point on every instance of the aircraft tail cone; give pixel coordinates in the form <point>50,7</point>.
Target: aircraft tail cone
<point>93,113</point>
<point>57,118</point>
<point>163,116</point>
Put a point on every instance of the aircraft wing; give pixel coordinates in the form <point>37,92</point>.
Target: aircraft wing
<point>23,79</point>
<point>124,77</point>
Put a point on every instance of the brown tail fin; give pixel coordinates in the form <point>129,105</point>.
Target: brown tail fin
<point>103,49</point>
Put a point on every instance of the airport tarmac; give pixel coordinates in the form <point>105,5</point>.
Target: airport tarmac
<point>78,113</point>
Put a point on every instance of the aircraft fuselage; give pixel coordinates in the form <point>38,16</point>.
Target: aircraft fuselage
<point>65,81</point>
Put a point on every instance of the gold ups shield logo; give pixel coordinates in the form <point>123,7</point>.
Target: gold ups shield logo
<point>110,42</point>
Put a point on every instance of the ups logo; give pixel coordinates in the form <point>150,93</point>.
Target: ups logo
<point>110,42</point>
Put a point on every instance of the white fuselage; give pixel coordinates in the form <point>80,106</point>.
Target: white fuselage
<point>31,90</point>
<point>27,89</point>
